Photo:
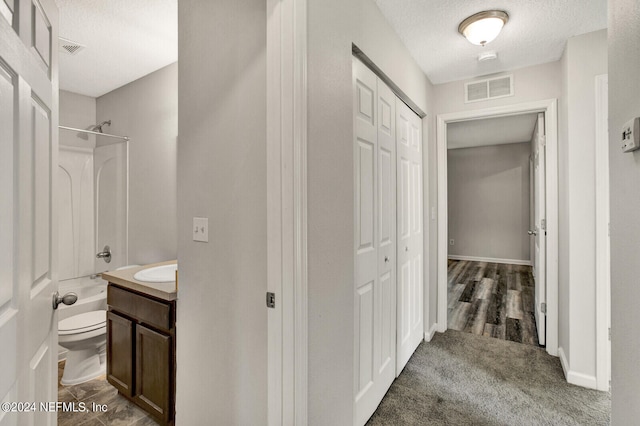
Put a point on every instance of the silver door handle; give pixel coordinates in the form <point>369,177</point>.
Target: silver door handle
<point>67,299</point>
<point>530,232</point>
<point>105,254</point>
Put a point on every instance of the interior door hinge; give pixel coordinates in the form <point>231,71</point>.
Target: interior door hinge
<point>543,307</point>
<point>543,140</point>
<point>544,224</point>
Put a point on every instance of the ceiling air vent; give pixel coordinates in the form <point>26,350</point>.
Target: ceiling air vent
<point>491,88</point>
<point>71,47</point>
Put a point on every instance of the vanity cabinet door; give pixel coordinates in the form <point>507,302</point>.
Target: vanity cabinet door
<point>153,371</point>
<point>120,353</point>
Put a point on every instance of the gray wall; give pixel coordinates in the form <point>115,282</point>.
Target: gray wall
<point>221,175</point>
<point>530,84</point>
<point>584,58</point>
<point>488,189</point>
<point>333,25</point>
<point>77,111</point>
<point>330,218</point>
<point>222,343</point>
<point>146,110</point>
<point>624,103</point>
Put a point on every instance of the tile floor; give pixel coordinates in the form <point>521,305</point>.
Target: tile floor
<point>492,299</point>
<point>120,411</point>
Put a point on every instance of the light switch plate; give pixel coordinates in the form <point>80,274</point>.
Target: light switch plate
<point>631,135</point>
<point>201,229</point>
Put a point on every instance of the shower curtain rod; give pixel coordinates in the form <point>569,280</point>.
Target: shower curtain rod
<point>126,138</point>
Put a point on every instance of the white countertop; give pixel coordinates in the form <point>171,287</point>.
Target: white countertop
<point>124,278</point>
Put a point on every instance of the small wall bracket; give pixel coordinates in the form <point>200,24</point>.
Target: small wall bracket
<point>271,300</point>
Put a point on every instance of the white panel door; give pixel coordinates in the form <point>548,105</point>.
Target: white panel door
<point>385,344</point>
<point>28,231</point>
<point>410,326</point>
<point>375,243</point>
<point>540,233</point>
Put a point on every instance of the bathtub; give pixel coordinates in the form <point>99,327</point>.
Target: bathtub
<point>92,296</point>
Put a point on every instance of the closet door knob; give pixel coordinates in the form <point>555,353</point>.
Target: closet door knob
<point>386,259</point>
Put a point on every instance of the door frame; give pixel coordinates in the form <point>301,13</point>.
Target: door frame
<point>603,260</point>
<point>287,211</point>
<point>550,108</point>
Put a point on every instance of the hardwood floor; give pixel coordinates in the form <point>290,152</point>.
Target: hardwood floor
<point>492,299</point>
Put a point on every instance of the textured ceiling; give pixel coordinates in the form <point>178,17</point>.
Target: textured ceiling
<point>536,33</point>
<point>491,131</point>
<point>124,40</point>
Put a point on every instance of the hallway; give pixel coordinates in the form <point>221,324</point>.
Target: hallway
<point>463,379</point>
<point>492,299</point>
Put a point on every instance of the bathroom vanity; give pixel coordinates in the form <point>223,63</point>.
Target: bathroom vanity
<point>141,341</point>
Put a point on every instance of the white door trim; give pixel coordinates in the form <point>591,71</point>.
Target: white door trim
<point>602,236</point>
<point>287,210</point>
<point>550,108</point>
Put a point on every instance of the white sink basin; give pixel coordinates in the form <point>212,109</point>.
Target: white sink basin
<point>157,274</point>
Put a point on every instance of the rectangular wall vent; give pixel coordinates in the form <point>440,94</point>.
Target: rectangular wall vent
<point>68,46</point>
<point>491,88</point>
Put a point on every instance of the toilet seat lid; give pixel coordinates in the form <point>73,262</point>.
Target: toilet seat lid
<point>81,323</point>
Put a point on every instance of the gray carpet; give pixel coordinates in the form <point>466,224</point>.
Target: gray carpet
<point>464,379</point>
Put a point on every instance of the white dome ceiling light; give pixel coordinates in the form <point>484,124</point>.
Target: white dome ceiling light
<point>483,27</point>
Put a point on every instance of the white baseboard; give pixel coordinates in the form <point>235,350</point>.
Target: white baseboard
<point>491,260</point>
<point>575,378</point>
<point>583,380</point>
<point>428,335</point>
<point>563,361</point>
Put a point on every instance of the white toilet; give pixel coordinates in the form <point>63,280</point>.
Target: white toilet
<point>85,337</point>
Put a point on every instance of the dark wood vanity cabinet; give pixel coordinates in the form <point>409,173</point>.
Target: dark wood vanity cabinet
<point>119,350</point>
<point>141,347</point>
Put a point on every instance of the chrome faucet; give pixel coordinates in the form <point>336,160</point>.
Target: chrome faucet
<point>105,254</point>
